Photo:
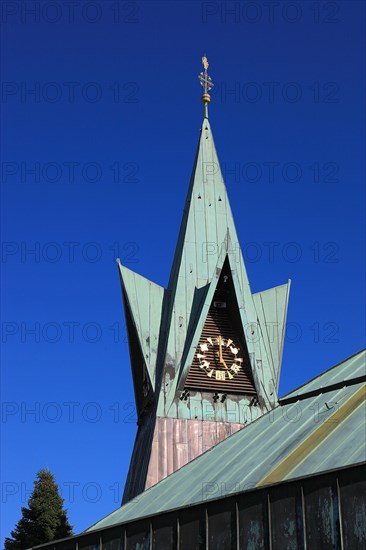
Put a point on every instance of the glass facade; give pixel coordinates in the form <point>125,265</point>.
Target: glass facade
<point>322,515</point>
<point>91,542</point>
<point>113,539</point>
<point>164,531</point>
<point>287,525</point>
<point>352,489</point>
<point>253,520</point>
<point>138,536</point>
<point>325,512</point>
<point>192,528</point>
<point>221,523</point>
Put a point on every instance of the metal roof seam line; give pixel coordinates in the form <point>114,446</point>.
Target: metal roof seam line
<point>294,458</point>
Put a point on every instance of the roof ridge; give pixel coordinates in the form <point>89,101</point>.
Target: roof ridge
<point>322,374</point>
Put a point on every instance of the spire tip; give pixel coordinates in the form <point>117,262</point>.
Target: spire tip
<point>206,83</point>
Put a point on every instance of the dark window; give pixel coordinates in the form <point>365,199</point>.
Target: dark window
<point>66,545</point>
<point>253,521</point>
<point>287,528</point>
<point>222,524</point>
<point>70,545</point>
<point>138,536</point>
<point>321,515</point>
<point>192,529</point>
<point>113,539</point>
<point>91,542</point>
<point>353,508</point>
<point>165,532</point>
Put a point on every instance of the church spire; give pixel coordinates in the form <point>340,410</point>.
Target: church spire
<point>205,351</point>
<point>207,84</point>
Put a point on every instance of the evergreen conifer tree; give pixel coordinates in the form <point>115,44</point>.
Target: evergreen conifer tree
<point>44,520</point>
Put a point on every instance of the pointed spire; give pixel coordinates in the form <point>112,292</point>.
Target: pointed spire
<point>207,84</point>
<point>208,296</point>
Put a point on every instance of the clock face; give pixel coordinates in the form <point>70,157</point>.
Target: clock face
<point>219,358</point>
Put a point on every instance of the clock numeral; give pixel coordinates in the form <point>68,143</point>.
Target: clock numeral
<point>235,368</point>
<point>218,343</point>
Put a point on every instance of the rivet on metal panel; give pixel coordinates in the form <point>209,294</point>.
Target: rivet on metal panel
<point>184,395</point>
<point>254,402</point>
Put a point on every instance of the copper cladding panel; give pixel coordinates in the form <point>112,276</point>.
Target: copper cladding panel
<point>177,442</point>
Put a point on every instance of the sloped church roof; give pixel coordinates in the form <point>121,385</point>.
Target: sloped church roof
<point>318,432</point>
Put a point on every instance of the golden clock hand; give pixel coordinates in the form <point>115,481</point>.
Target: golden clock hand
<point>222,362</point>
<point>227,368</point>
<point>220,349</point>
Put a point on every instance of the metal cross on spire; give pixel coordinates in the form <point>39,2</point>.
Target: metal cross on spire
<point>206,83</point>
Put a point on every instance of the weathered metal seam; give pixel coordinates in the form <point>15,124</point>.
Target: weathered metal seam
<point>293,459</point>
<point>283,333</point>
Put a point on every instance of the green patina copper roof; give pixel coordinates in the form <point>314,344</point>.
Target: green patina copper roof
<point>168,324</point>
<point>354,367</point>
<point>315,434</point>
<point>144,299</point>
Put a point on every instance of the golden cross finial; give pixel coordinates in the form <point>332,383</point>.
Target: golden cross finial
<point>206,83</point>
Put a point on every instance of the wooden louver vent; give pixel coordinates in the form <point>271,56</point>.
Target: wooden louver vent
<point>219,323</point>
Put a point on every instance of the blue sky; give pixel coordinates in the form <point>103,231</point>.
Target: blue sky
<point>100,120</point>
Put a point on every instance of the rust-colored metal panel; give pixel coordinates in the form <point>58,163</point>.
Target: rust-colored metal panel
<point>169,437</point>
<point>153,472</point>
<point>181,456</point>
<point>178,441</point>
<point>209,436</point>
<point>195,439</point>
